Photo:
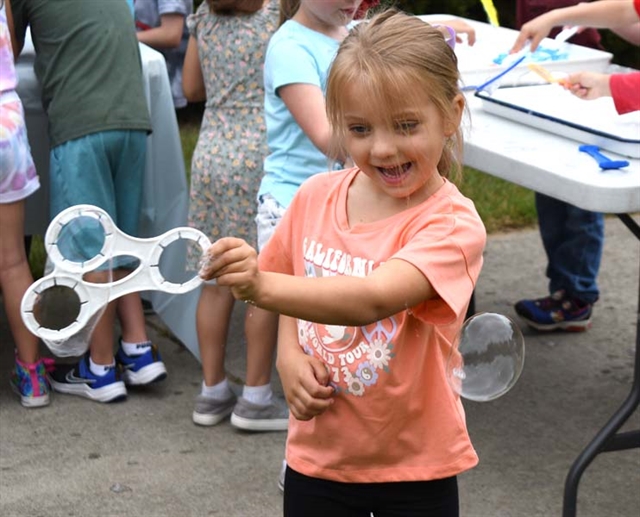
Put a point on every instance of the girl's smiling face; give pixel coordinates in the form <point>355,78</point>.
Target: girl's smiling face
<point>398,148</point>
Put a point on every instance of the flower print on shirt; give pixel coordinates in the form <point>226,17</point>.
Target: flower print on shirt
<point>356,357</point>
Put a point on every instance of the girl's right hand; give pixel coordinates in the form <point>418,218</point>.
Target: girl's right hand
<point>233,263</point>
<point>304,379</point>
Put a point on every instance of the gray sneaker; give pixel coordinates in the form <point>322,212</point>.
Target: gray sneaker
<point>209,411</point>
<point>253,417</point>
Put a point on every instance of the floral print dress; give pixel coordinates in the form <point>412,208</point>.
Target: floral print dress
<point>226,167</point>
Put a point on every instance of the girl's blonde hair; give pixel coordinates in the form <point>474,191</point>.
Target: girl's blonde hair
<point>230,7</point>
<point>395,56</point>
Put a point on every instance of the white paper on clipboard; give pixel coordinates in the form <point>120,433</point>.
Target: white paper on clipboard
<point>551,108</point>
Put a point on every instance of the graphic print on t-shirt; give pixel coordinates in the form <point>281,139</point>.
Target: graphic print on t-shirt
<point>355,357</point>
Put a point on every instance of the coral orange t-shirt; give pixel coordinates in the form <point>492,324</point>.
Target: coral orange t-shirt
<point>394,418</point>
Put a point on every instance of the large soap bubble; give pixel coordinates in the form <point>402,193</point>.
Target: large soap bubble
<point>487,358</point>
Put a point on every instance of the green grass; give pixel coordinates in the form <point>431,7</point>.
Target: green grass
<point>503,206</point>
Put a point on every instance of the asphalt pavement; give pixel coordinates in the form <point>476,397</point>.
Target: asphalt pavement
<point>145,458</point>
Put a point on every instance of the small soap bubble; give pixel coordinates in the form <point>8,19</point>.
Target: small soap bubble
<point>487,357</point>
<point>205,264</point>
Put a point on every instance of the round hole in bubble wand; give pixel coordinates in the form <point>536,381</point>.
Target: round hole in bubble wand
<point>487,358</point>
<point>87,251</point>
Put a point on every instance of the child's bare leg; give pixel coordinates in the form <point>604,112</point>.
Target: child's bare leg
<point>140,359</point>
<point>131,315</point>
<point>15,277</point>
<point>101,343</point>
<point>258,409</point>
<point>212,324</point>
<point>261,329</point>
<point>215,400</point>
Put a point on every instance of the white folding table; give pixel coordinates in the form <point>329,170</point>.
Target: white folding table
<point>553,165</point>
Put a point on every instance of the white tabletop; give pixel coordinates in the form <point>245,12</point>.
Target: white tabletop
<point>531,157</point>
<point>548,163</point>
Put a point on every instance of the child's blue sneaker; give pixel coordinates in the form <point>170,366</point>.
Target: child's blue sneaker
<point>30,382</point>
<point>556,312</point>
<point>141,369</point>
<point>80,380</point>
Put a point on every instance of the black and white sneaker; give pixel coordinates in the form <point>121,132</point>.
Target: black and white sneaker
<point>79,380</point>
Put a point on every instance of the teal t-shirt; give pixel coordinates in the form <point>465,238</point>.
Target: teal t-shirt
<point>88,64</point>
<point>295,54</point>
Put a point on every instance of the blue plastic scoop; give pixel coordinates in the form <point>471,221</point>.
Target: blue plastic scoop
<point>604,162</point>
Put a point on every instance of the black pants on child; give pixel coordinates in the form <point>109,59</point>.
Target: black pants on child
<point>305,496</point>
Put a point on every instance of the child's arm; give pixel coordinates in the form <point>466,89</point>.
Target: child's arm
<point>630,33</point>
<point>304,378</point>
<point>306,104</point>
<point>622,87</point>
<point>192,80</point>
<point>339,300</point>
<point>461,27</point>
<point>603,14</point>
<point>12,32</point>
<point>589,85</point>
<point>167,35</point>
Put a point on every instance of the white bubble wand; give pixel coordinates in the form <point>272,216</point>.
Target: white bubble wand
<point>65,287</point>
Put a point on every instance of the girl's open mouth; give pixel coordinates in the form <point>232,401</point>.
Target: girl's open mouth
<point>396,173</point>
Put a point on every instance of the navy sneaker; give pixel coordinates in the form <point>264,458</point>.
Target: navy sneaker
<point>141,369</point>
<point>556,312</point>
<point>79,380</point>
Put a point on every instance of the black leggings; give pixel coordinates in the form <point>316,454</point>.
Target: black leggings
<point>305,496</point>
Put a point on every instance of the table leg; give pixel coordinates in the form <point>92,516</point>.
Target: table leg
<point>608,439</point>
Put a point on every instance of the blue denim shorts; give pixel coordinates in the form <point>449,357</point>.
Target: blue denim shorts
<point>104,169</point>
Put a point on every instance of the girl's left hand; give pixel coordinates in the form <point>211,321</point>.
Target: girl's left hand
<point>233,263</point>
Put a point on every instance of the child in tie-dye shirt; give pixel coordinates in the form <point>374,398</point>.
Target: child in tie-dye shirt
<point>18,180</point>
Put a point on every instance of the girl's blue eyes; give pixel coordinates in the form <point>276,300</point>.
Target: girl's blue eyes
<point>358,129</point>
<point>400,127</point>
<point>406,127</point>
